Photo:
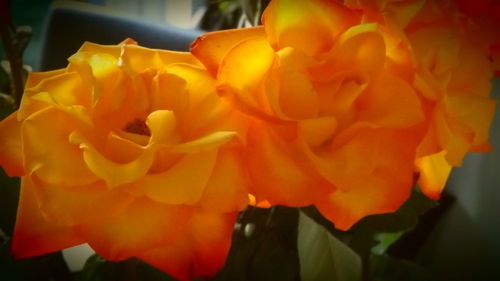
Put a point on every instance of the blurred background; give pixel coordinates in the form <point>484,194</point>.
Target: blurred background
<point>464,245</point>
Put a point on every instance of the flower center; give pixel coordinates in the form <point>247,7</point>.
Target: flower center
<point>137,126</point>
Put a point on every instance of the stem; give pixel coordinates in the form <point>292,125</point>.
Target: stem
<point>15,60</point>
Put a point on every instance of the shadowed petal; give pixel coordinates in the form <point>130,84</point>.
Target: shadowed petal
<point>211,48</point>
<point>35,235</point>
<point>201,251</point>
<point>11,152</point>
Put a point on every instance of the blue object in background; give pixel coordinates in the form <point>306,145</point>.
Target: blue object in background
<point>69,25</point>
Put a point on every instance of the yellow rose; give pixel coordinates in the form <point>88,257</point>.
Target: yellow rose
<point>335,121</point>
<point>130,150</point>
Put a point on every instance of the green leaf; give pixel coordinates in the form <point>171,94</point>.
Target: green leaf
<point>361,237</point>
<point>385,240</point>
<point>324,257</point>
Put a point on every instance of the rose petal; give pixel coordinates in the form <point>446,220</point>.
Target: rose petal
<point>436,49</point>
<point>310,26</point>
<point>143,225</point>
<point>140,58</point>
<point>351,156</point>
<point>452,136</point>
<point>227,188</point>
<point>29,106</point>
<point>113,173</point>
<point>162,125</point>
<point>297,97</point>
<point>46,149</point>
<point>205,113</point>
<point>210,48</point>
<point>378,194</point>
<point>54,91</point>
<point>35,235</point>
<point>374,173</point>
<point>318,130</point>
<point>390,102</point>
<point>11,151</point>
<point>184,182</point>
<point>200,252</point>
<point>280,172</point>
<point>243,71</point>
<point>208,142</point>
<point>434,171</point>
<point>169,92</point>
<point>474,111</point>
<point>361,49</point>
<point>76,204</point>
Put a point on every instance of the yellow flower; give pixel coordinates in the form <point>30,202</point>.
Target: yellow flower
<point>335,121</point>
<point>130,150</point>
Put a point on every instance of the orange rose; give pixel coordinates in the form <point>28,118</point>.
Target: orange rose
<point>335,121</point>
<point>127,149</point>
<point>453,77</point>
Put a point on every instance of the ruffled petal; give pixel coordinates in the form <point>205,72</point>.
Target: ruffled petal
<point>169,92</point>
<point>360,49</point>
<point>243,71</point>
<point>394,12</point>
<point>47,149</point>
<point>162,125</point>
<point>310,26</point>
<point>210,48</point>
<point>452,136</point>
<point>317,131</point>
<point>11,150</point>
<point>208,142</point>
<point>182,183</point>
<point>143,225</point>
<point>390,102</point>
<point>378,194</point>
<point>201,251</point>
<point>475,112</point>
<point>227,189</point>
<point>113,173</point>
<point>76,204</point>
<point>141,58</point>
<point>206,113</point>
<point>279,170</point>
<point>374,172</point>
<point>63,90</point>
<point>29,106</point>
<point>436,49</point>
<point>434,171</point>
<point>35,235</point>
<point>297,96</point>
<point>350,157</point>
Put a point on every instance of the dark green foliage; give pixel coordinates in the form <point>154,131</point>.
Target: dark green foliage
<point>98,269</point>
<point>264,246</point>
<point>44,268</point>
<point>385,268</point>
